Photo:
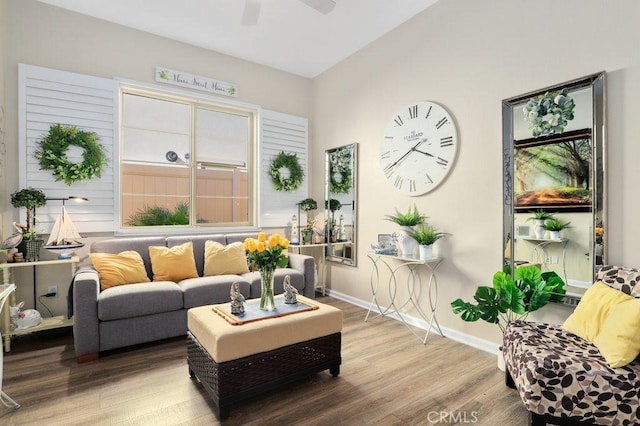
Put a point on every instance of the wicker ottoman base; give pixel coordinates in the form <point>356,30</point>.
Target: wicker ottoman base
<point>234,381</point>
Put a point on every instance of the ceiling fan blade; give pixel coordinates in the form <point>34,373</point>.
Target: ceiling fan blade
<point>251,12</point>
<point>322,6</point>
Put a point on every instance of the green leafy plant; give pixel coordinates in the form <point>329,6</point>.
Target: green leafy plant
<point>511,298</point>
<point>308,204</point>
<point>333,205</point>
<point>158,216</point>
<point>411,218</point>
<point>556,225</point>
<point>541,215</point>
<point>29,198</point>
<point>425,234</point>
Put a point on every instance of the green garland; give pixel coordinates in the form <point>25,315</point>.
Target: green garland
<point>52,154</point>
<point>289,162</point>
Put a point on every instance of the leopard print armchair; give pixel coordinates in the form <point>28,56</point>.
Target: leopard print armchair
<point>563,379</point>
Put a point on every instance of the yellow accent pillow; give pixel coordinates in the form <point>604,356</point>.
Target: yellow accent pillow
<point>619,339</point>
<point>592,311</point>
<point>173,263</point>
<point>220,259</point>
<point>126,267</point>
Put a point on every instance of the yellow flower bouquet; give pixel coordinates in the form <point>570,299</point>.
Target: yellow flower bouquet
<point>267,253</point>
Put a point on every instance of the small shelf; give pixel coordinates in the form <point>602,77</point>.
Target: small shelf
<point>46,324</point>
<point>543,240</point>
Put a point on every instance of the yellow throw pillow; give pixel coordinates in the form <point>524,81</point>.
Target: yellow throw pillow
<point>173,263</point>
<point>592,311</point>
<point>619,338</point>
<point>220,259</point>
<point>126,267</point>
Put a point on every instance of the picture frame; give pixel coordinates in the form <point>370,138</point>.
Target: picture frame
<point>523,231</point>
<point>385,240</point>
<point>550,174</point>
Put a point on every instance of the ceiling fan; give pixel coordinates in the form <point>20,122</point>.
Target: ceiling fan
<point>252,9</point>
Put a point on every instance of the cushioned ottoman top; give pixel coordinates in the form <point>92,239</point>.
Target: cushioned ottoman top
<point>226,342</point>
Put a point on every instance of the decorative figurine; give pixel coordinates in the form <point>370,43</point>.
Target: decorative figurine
<point>295,239</point>
<point>342,234</point>
<point>237,299</point>
<point>290,292</point>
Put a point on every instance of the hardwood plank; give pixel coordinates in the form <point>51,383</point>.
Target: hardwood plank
<point>387,378</point>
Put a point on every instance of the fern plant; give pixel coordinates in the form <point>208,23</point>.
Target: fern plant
<point>158,216</point>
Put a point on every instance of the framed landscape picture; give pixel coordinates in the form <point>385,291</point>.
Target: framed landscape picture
<point>554,175</point>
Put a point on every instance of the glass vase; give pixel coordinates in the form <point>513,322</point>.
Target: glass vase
<point>266,283</point>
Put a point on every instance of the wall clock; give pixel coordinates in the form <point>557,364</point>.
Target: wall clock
<point>419,148</point>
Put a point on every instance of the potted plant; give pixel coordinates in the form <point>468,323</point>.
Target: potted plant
<point>32,243</point>
<point>406,244</point>
<point>308,204</point>
<point>307,231</point>
<point>426,235</point>
<point>511,298</point>
<point>29,198</point>
<point>554,226</point>
<point>411,218</point>
<point>540,216</point>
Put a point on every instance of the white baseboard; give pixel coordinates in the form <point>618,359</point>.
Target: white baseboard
<point>467,339</point>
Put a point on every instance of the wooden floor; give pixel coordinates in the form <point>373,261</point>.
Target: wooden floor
<point>387,378</point>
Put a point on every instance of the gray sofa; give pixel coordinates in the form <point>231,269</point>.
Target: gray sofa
<point>131,314</point>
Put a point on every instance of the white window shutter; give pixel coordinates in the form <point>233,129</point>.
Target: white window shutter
<point>288,133</point>
<point>47,97</point>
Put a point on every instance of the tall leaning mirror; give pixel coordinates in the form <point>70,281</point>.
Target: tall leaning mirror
<point>340,203</point>
<point>554,179</point>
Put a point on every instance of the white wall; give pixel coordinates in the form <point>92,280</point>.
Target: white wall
<point>468,55</point>
<point>3,33</point>
<point>43,35</point>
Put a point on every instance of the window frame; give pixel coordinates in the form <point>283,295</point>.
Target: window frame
<point>196,100</point>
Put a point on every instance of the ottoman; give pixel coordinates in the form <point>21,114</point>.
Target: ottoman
<point>241,361</point>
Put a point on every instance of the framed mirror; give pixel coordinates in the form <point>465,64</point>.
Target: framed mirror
<point>340,179</point>
<point>554,179</point>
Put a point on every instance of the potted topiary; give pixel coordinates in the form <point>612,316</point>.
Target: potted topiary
<point>554,226</point>
<point>426,235</point>
<point>308,204</point>
<point>406,244</point>
<point>29,198</point>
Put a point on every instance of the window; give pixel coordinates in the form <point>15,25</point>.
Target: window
<point>185,162</point>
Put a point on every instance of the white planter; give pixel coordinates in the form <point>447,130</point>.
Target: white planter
<point>554,235</point>
<point>539,229</point>
<point>426,252</point>
<point>407,246</point>
<point>501,364</point>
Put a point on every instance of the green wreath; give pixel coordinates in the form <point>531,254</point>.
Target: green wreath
<point>340,165</point>
<point>52,154</point>
<point>289,162</point>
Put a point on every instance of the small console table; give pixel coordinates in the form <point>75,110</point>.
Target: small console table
<point>394,264</point>
<point>47,323</point>
<point>541,254</point>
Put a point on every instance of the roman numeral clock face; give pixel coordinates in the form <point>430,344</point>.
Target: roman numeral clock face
<point>419,148</point>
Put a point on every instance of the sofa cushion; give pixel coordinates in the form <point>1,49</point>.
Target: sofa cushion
<point>141,245</point>
<point>173,263</point>
<point>592,311</point>
<point>129,301</point>
<point>619,340</point>
<point>198,242</point>
<point>126,267</point>
<point>297,280</point>
<point>211,290</point>
<point>220,259</point>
